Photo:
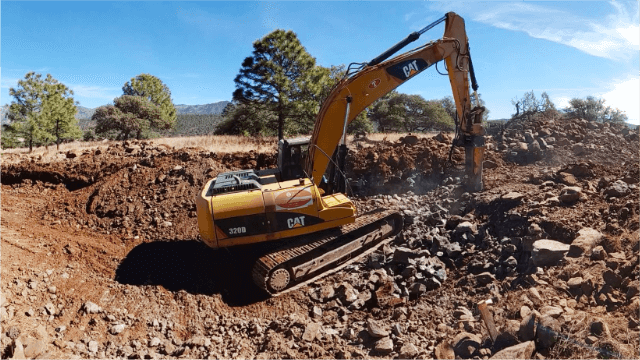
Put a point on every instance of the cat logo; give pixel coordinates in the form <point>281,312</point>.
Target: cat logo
<point>406,69</point>
<point>295,222</point>
<point>410,69</point>
<point>374,84</point>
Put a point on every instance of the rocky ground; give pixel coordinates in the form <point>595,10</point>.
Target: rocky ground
<point>101,258</point>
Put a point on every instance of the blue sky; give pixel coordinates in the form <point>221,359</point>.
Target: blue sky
<point>568,49</point>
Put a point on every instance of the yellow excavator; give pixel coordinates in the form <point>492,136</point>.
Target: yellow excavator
<point>299,209</point>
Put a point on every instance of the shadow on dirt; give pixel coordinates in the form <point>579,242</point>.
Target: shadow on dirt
<point>502,223</point>
<point>193,267</point>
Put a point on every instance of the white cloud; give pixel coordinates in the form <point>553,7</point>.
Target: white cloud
<point>95,92</point>
<point>614,36</point>
<point>624,96</point>
<point>409,15</point>
<point>561,102</point>
<point>9,83</point>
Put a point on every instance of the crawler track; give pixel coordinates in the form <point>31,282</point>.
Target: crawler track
<point>307,258</point>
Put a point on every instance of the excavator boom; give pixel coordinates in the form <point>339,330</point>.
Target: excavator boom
<point>354,93</point>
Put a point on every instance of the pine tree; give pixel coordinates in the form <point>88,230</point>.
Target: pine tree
<point>59,116</point>
<point>281,77</point>
<point>42,111</point>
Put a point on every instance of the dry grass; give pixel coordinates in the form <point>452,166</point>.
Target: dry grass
<point>76,145</point>
<point>622,344</point>
<point>223,143</point>
<point>216,143</point>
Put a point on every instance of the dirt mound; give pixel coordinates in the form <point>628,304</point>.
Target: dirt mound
<point>397,161</point>
<point>410,164</point>
<point>553,242</point>
<point>134,189</point>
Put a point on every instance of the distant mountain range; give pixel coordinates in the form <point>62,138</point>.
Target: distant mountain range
<point>213,108</point>
<point>85,113</point>
<point>3,114</point>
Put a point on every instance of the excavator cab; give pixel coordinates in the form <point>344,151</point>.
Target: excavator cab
<point>291,156</point>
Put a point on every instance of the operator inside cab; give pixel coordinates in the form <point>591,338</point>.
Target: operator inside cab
<point>294,168</point>
<point>295,156</point>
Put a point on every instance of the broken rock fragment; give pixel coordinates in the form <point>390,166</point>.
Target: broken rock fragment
<point>466,344</point>
<point>513,196</point>
<point>18,350</point>
<point>570,194</point>
<point>311,331</point>
<point>444,350</point>
<point>408,351</point>
<point>586,241</point>
<point>384,345</point>
<point>548,252</point>
<point>485,278</point>
<point>385,295</point>
<point>403,255</point>
<point>91,308</point>
<point>375,329</point>
<point>117,329</point>
<point>527,329</point>
<point>33,347</point>
<point>618,189</point>
<point>547,331</point>
<point>348,293</point>
<point>521,351</point>
<point>600,328</point>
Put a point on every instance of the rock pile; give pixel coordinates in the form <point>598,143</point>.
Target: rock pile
<point>552,241</point>
<point>557,141</point>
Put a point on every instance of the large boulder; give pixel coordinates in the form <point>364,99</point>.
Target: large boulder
<point>527,330</point>
<point>586,241</point>
<point>403,255</point>
<point>311,331</point>
<point>547,332</point>
<point>570,194</point>
<point>410,140</point>
<point>521,351</point>
<point>375,329</point>
<point>408,351</point>
<point>384,345</point>
<point>548,252</point>
<point>618,189</point>
<point>465,345</point>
